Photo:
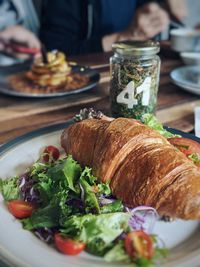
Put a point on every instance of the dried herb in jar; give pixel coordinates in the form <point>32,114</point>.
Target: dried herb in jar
<point>134,80</point>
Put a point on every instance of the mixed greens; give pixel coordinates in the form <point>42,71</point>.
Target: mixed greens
<point>151,121</point>
<point>65,205</point>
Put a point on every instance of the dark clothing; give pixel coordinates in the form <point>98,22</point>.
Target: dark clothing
<point>72,26</point>
<point>115,15</point>
<point>75,26</point>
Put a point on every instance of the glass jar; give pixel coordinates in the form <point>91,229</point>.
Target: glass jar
<point>135,71</point>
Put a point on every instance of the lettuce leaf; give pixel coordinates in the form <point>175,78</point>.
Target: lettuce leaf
<point>195,157</point>
<point>117,254</point>
<point>39,168</point>
<point>88,177</point>
<point>98,231</point>
<point>9,188</point>
<point>67,172</point>
<point>90,199</point>
<point>151,121</point>
<point>116,206</point>
<point>54,178</point>
<point>43,217</point>
<point>104,189</point>
<point>49,215</point>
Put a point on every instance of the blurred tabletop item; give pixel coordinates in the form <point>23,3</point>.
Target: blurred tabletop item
<point>197,121</point>
<point>21,115</point>
<point>185,40</point>
<point>135,72</point>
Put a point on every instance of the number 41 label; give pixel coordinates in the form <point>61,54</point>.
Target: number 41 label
<point>129,95</point>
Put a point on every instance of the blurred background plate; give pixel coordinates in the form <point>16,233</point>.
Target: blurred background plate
<point>6,71</point>
<point>187,78</point>
<point>188,88</point>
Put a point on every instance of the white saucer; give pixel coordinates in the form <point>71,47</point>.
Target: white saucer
<point>188,78</point>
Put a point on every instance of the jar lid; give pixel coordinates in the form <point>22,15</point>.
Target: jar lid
<point>136,48</point>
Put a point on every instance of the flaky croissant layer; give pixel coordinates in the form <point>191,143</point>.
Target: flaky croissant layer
<point>143,168</point>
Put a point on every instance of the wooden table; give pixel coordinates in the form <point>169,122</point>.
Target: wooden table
<point>22,115</point>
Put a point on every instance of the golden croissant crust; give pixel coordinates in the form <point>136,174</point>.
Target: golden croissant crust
<point>142,166</point>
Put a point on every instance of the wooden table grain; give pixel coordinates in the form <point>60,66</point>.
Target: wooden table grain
<point>22,115</point>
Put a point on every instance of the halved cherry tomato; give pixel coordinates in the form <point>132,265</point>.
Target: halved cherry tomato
<point>185,145</point>
<point>20,209</point>
<point>139,244</point>
<point>51,153</point>
<point>68,246</point>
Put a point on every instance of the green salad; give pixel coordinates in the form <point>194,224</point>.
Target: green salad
<point>63,204</point>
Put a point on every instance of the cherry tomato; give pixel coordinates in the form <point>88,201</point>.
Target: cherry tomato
<point>185,145</point>
<point>51,153</point>
<point>68,246</point>
<point>139,244</point>
<point>20,209</point>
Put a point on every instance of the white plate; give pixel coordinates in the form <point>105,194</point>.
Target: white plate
<point>188,78</point>
<point>20,248</point>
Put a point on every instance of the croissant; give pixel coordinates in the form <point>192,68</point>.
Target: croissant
<point>143,168</point>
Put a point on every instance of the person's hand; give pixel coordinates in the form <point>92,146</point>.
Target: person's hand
<point>19,36</point>
<point>177,8</point>
<point>148,21</point>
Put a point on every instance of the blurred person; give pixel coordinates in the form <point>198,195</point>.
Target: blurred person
<point>19,26</point>
<point>177,11</point>
<point>81,26</point>
<point>177,8</point>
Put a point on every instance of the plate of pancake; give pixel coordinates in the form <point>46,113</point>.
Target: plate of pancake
<point>53,78</point>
